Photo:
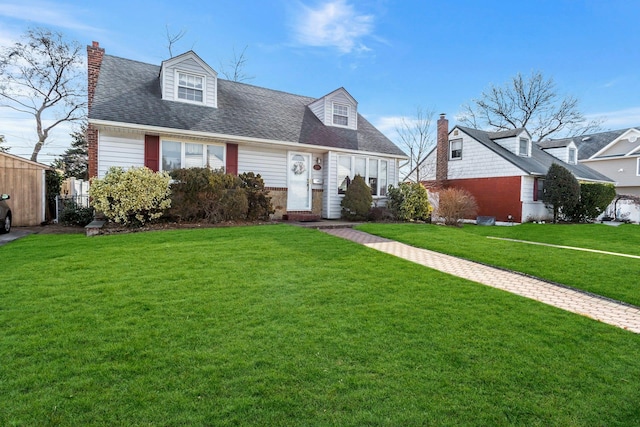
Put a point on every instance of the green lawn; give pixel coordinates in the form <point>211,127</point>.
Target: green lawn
<point>282,326</point>
<point>611,276</point>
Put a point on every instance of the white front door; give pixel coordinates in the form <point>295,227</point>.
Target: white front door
<point>299,188</point>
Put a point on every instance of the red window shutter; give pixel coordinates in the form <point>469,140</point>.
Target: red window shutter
<point>535,190</point>
<point>232,159</point>
<point>152,152</point>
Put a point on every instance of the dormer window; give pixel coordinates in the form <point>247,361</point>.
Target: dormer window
<point>340,114</point>
<point>572,156</point>
<point>190,87</point>
<point>524,147</point>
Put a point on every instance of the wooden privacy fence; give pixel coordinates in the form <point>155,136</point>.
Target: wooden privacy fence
<point>24,181</point>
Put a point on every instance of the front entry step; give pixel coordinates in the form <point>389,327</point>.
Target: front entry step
<point>301,217</point>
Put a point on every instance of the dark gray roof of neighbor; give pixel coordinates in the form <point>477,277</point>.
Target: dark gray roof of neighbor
<point>129,91</point>
<point>538,163</point>
<point>588,145</point>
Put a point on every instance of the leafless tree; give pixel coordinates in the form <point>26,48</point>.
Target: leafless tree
<point>532,102</point>
<point>42,76</point>
<point>172,39</point>
<point>416,135</point>
<point>3,148</point>
<point>235,68</point>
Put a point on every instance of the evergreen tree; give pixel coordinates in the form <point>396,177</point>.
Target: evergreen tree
<point>74,161</point>
<point>561,190</point>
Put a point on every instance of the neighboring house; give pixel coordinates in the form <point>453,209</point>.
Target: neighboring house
<point>504,171</point>
<point>25,182</point>
<point>181,114</point>
<point>615,154</point>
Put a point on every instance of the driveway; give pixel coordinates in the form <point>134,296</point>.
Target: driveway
<point>16,233</point>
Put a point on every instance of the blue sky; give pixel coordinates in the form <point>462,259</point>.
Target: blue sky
<point>392,56</point>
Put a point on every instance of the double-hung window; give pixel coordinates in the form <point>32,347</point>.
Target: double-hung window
<point>572,156</point>
<point>373,171</point>
<point>190,87</point>
<point>524,147</point>
<point>455,149</point>
<point>178,155</point>
<point>340,114</point>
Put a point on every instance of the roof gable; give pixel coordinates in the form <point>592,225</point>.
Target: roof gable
<point>323,108</point>
<point>625,144</point>
<point>128,92</point>
<point>189,73</point>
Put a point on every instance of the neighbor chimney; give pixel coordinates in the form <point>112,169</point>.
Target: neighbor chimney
<point>94,62</point>
<point>442,151</point>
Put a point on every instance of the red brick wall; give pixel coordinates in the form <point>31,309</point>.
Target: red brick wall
<point>498,197</point>
<point>94,61</point>
<point>442,152</point>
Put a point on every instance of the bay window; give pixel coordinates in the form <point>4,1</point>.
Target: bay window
<point>178,155</point>
<point>373,171</point>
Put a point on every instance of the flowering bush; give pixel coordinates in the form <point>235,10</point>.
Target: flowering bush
<point>132,197</point>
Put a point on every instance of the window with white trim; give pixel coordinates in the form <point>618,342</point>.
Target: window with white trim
<point>572,156</point>
<point>523,149</point>
<point>190,87</point>
<point>638,168</point>
<point>178,155</point>
<point>373,171</point>
<point>455,149</point>
<point>340,114</point>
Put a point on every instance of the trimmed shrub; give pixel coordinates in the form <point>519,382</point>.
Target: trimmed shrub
<point>200,194</point>
<point>561,190</point>
<point>456,204</point>
<point>357,200</point>
<point>73,214</point>
<point>133,197</point>
<point>260,207</point>
<point>594,199</point>
<point>409,202</point>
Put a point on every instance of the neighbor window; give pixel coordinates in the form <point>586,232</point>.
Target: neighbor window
<point>373,171</point>
<point>341,114</point>
<point>190,87</point>
<point>178,155</point>
<point>524,147</point>
<point>455,151</point>
<point>538,189</point>
<point>638,168</point>
<point>572,156</point>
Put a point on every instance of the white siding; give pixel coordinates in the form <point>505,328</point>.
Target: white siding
<point>510,144</point>
<point>270,164</point>
<point>317,107</point>
<point>560,153</point>
<point>124,150</point>
<point>480,162</point>
<point>531,211</point>
<point>323,108</point>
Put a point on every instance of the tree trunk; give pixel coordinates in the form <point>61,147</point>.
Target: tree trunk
<point>36,151</point>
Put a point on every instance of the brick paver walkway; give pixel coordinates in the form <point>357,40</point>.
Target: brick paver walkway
<point>595,307</point>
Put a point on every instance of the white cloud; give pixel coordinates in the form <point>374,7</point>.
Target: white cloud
<point>48,13</point>
<point>333,24</point>
<point>619,119</point>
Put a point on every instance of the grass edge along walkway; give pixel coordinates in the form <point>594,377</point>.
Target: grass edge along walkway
<point>565,247</point>
<point>575,301</point>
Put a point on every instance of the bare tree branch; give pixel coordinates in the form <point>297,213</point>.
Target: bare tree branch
<point>416,135</point>
<point>532,102</point>
<point>172,39</point>
<point>235,70</point>
<point>43,75</point>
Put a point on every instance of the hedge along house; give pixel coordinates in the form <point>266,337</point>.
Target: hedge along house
<point>181,114</point>
<point>504,171</point>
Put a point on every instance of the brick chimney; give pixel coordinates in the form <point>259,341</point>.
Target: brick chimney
<point>442,151</point>
<point>94,61</point>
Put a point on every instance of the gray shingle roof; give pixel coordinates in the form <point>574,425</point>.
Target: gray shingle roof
<point>129,91</point>
<point>538,163</point>
<point>588,145</point>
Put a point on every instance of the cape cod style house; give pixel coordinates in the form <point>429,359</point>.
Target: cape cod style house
<point>504,171</point>
<point>614,153</point>
<point>181,114</point>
